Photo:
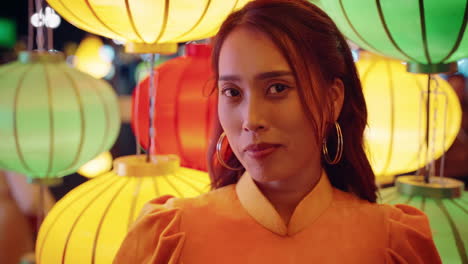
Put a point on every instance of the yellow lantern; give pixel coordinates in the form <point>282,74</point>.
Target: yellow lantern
<point>396,103</point>
<point>90,222</point>
<point>148,26</point>
<point>88,58</point>
<point>97,166</point>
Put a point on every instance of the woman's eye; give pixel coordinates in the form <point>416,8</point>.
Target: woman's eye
<point>277,88</point>
<point>230,92</point>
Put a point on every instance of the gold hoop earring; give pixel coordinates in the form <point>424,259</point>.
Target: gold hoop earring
<point>339,147</point>
<point>219,146</point>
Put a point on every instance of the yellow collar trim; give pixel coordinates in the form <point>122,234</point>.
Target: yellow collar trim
<point>308,210</point>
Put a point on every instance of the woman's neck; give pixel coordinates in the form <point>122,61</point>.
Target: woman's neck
<point>286,194</point>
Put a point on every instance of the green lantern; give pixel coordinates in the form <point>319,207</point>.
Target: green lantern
<point>53,118</point>
<point>429,34</point>
<point>446,205</point>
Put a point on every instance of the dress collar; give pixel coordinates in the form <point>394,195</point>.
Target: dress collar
<point>309,209</point>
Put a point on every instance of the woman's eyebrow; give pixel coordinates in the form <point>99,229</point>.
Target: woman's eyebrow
<point>259,76</point>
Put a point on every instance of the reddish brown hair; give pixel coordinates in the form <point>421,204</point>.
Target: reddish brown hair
<point>317,54</point>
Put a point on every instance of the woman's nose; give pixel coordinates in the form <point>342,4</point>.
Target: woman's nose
<point>254,116</point>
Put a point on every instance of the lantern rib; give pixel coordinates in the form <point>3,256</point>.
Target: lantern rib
<point>232,10</point>
<point>136,192</point>
<point>392,120</point>
<point>88,27</point>
<point>91,201</point>
<point>392,198</point>
<point>179,194</point>
<point>82,122</point>
<point>175,175</point>
<point>353,28</point>
<point>387,194</point>
<point>15,125</point>
<point>197,179</point>
<point>200,19</point>
<point>164,23</point>
<point>459,206</point>
<point>460,34</point>
<point>59,215</point>
<point>107,117</point>
<point>7,70</point>
<point>100,20</point>
<point>101,221</point>
<point>156,188</point>
<point>422,17</point>
<point>387,32</point>
<point>456,233</point>
<point>132,22</point>
<point>51,121</point>
<point>409,199</point>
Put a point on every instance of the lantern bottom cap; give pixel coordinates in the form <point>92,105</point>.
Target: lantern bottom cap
<point>138,166</point>
<point>437,187</point>
<point>47,181</point>
<point>160,48</point>
<point>431,68</point>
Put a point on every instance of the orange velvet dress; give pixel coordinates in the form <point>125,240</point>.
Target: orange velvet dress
<point>237,224</point>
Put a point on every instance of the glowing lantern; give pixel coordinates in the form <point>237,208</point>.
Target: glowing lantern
<point>97,166</point>
<point>89,223</point>
<point>53,118</point>
<point>148,26</point>
<point>183,110</point>
<point>446,205</point>
<point>89,59</point>
<point>429,34</point>
<point>396,115</point>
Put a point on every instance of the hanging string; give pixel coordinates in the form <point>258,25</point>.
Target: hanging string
<point>40,28</point>
<point>428,113</point>
<point>30,26</point>
<point>152,101</point>
<point>50,38</point>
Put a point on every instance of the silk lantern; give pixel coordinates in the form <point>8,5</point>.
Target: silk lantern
<point>89,59</point>
<point>89,223</point>
<point>53,118</point>
<point>148,26</point>
<point>430,35</point>
<point>396,109</point>
<point>183,110</point>
<point>446,205</point>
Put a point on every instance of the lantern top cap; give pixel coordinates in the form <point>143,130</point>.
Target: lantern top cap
<point>34,56</point>
<point>198,50</point>
<point>137,166</point>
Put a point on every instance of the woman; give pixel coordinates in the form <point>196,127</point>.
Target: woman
<point>295,185</point>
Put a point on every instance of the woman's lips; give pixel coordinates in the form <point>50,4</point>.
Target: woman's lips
<point>259,151</point>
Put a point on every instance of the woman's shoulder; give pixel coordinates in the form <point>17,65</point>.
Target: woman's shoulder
<point>404,230</point>
<point>167,205</point>
<point>156,235</point>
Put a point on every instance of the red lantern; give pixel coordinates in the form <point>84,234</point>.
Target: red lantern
<point>184,108</point>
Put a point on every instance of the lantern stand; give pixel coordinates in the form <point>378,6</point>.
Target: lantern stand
<point>428,185</point>
<point>154,161</point>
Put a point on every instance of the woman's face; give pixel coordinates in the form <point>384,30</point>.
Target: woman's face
<point>260,110</point>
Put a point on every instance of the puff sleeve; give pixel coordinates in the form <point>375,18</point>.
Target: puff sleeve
<point>155,237</point>
<point>410,239</point>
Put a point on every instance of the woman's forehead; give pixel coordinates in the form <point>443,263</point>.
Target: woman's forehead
<point>249,53</point>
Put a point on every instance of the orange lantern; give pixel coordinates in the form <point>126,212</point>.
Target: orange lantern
<point>184,108</point>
